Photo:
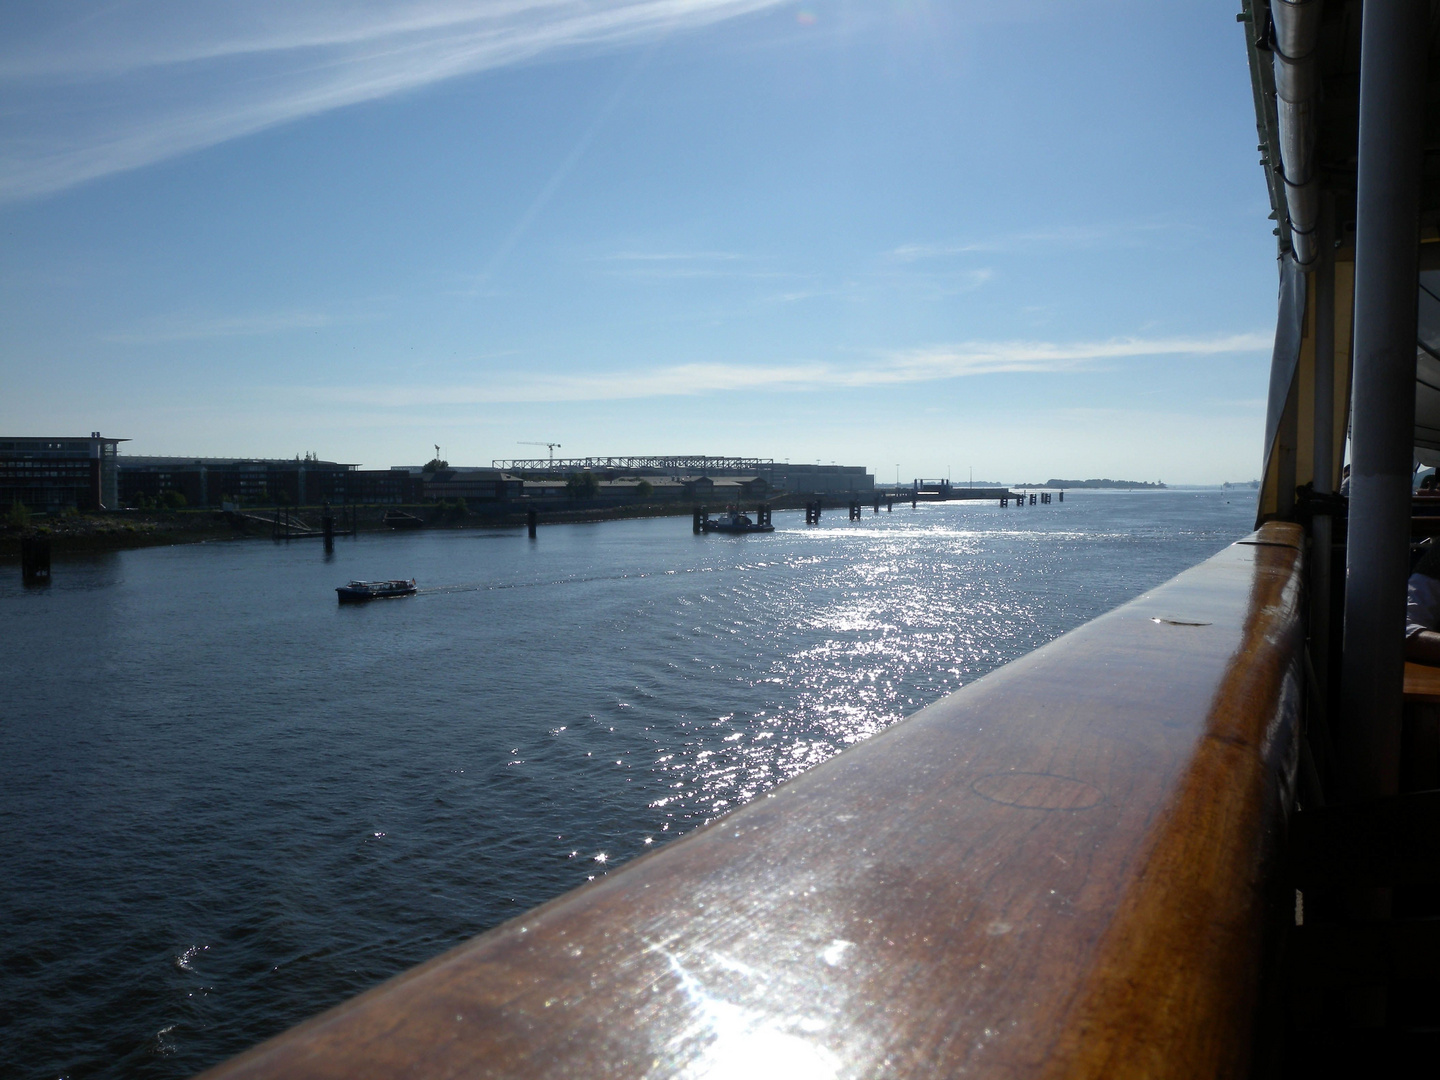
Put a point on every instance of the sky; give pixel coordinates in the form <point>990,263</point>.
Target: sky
<point>925,236</point>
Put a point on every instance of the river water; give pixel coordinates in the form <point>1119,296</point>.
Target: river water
<point>228,802</point>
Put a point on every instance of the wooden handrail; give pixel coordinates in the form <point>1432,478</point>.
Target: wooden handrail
<point>1055,871</point>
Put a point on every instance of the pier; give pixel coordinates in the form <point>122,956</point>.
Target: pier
<point>943,491</point>
<point>35,560</point>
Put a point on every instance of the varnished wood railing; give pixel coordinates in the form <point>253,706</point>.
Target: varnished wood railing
<point>1057,871</point>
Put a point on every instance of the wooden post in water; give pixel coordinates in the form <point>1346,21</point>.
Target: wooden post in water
<point>530,522</point>
<point>695,521</point>
<point>1062,494</point>
<point>327,524</point>
<point>35,560</point>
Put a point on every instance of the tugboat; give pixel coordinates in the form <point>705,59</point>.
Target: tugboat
<point>733,521</point>
<point>374,590</point>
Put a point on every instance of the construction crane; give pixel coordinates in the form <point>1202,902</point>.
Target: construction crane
<point>552,445</point>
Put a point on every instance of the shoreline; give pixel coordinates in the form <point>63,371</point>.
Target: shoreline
<point>125,530</point>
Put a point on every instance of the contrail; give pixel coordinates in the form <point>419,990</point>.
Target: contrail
<point>566,167</point>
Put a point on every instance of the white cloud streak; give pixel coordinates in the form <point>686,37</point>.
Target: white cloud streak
<point>899,368</point>
<point>96,88</point>
<point>1067,236</point>
<point>198,328</point>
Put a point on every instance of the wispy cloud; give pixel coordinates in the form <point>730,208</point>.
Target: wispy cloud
<point>200,327</point>
<point>95,88</point>
<point>908,366</point>
<point>671,256</point>
<point>677,265</point>
<point>976,358</point>
<point>1072,236</point>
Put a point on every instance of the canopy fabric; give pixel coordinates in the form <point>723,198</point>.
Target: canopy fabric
<point>1284,367</point>
<point>1427,371</point>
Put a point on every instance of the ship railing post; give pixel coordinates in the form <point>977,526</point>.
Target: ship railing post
<point>1320,585</point>
<point>1394,37</point>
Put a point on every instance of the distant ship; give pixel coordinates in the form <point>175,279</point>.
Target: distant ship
<point>374,590</point>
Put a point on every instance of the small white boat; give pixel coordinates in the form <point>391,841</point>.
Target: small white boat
<point>375,590</point>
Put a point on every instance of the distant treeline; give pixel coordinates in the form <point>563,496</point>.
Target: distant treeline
<point>1126,485</point>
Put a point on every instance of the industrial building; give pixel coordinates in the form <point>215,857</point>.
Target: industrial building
<point>817,479</point>
<point>241,481</point>
<point>57,473</point>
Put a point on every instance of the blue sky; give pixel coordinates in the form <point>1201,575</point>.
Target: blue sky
<point>1027,238</point>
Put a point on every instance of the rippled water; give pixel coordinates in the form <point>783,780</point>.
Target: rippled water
<point>228,802</point>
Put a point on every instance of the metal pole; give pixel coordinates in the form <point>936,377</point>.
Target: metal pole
<point>1392,100</point>
<point>1324,456</point>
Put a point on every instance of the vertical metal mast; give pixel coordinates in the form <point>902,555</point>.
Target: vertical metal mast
<point>1324,451</point>
<point>1394,34</point>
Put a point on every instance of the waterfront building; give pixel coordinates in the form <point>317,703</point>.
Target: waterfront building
<point>205,482</point>
<point>215,482</point>
<point>49,473</point>
<point>835,480</point>
<point>816,479</point>
<point>470,484</point>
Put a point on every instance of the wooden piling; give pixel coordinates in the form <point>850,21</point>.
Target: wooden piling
<point>35,560</point>
<point>695,521</point>
<point>327,526</point>
<point>530,522</point>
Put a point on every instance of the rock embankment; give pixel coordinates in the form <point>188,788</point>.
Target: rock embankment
<point>112,532</point>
